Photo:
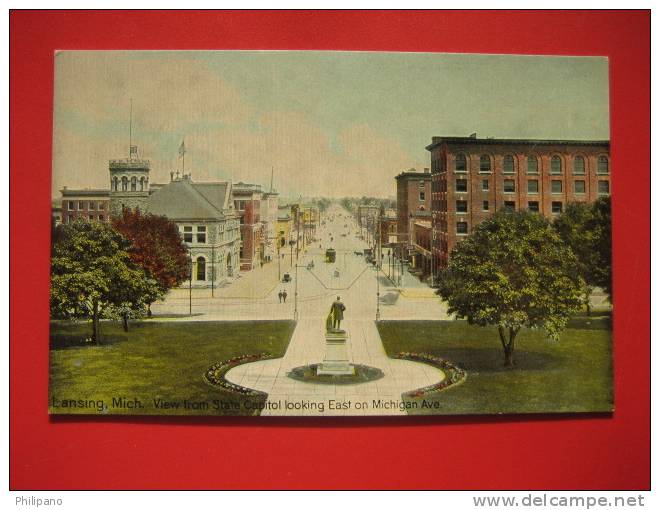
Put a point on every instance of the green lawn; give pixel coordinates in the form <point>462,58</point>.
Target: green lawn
<point>572,375</point>
<point>155,360</point>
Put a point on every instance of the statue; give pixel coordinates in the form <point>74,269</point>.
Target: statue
<point>335,316</point>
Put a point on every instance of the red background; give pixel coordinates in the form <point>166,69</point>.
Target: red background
<point>571,452</point>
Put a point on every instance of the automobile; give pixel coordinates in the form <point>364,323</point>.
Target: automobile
<point>286,278</point>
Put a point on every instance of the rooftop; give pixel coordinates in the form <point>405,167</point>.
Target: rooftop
<point>413,173</point>
<point>473,140</point>
<point>91,192</point>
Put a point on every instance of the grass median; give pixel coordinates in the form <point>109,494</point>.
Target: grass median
<point>155,363</point>
<point>571,375</point>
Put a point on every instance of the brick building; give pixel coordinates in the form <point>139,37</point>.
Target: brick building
<point>247,202</point>
<point>473,178</point>
<point>413,193</point>
<point>89,204</point>
<point>388,227</point>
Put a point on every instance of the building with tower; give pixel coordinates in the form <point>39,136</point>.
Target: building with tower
<point>129,182</point>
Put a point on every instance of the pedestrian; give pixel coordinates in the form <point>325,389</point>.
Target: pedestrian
<point>284,295</point>
<point>279,295</point>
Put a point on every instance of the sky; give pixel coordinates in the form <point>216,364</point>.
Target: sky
<point>324,123</point>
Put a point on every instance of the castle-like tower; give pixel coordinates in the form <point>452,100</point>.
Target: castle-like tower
<point>129,182</point>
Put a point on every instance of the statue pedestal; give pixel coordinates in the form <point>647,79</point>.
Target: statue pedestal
<point>336,360</point>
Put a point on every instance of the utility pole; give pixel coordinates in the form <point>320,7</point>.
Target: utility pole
<point>213,270</point>
<point>190,284</point>
<point>130,130</point>
<point>295,297</point>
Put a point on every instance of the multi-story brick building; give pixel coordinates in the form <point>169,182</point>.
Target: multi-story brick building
<point>247,202</point>
<point>388,227</point>
<point>413,193</point>
<point>473,178</point>
<point>89,204</point>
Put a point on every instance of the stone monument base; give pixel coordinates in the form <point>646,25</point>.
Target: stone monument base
<point>336,360</point>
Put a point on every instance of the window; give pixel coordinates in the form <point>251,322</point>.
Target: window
<point>141,183</point>
<point>133,183</point>
<point>72,206</point>
<point>485,185</point>
<point>532,165</point>
<point>484,163</point>
<point>422,196</point>
<point>101,206</point>
<point>187,234</point>
<point>81,206</point>
<point>533,186</point>
<point>578,165</point>
<point>555,186</point>
<point>92,206</point>
<point>201,269</point>
<point>201,234</point>
<point>555,165</point>
<point>100,217</point>
<point>509,206</point>
<point>485,206</point>
<point>580,187</point>
<point>462,227</point>
<point>509,186</point>
<point>461,206</point>
<point>603,187</point>
<point>508,164</point>
<point>603,165</point>
<point>124,183</point>
<point>461,185</point>
<point>533,206</point>
<point>461,163</point>
<point>557,207</point>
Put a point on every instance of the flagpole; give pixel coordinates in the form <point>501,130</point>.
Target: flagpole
<point>130,129</point>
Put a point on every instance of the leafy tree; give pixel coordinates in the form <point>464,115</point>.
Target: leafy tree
<point>92,275</point>
<point>157,247</point>
<point>513,271</point>
<point>600,224</point>
<point>586,229</point>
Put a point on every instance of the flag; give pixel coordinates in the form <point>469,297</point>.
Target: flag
<point>182,148</point>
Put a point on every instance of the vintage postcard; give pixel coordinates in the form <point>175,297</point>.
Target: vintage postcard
<point>288,233</point>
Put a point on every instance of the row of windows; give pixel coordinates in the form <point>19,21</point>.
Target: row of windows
<point>134,183</point>
<point>71,218</point>
<point>81,205</point>
<point>532,206</point>
<point>556,186</point>
<point>485,164</point>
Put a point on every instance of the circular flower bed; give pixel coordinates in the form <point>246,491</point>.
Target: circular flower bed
<point>363,373</point>
<point>453,374</point>
<point>215,374</point>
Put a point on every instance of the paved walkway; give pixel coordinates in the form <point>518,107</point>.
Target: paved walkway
<point>357,288</point>
<point>287,396</point>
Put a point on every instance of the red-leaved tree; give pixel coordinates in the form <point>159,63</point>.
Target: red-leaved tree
<point>156,246</point>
